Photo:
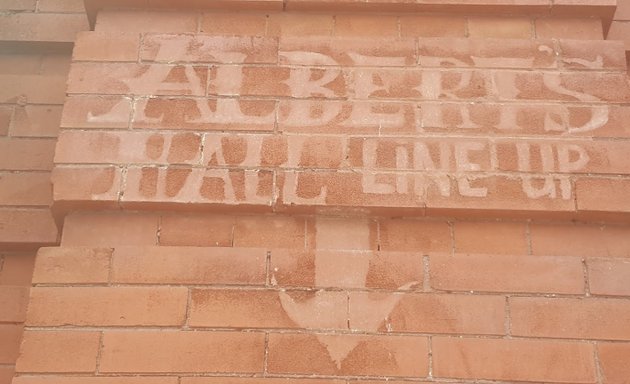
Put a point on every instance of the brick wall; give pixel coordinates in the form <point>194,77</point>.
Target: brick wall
<point>620,27</point>
<point>532,122</point>
<point>16,270</point>
<point>310,192</point>
<point>257,299</point>
<point>54,22</point>
<point>32,97</point>
<point>36,39</point>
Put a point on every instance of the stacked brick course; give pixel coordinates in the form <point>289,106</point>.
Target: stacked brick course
<point>16,270</point>
<point>428,123</point>
<point>311,192</point>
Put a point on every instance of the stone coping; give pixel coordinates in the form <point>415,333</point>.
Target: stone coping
<point>603,9</point>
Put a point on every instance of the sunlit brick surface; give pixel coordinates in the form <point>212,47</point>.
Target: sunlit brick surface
<point>289,123</point>
<point>314,192</point>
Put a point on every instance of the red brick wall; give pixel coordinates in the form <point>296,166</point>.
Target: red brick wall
<point>32,95</point>
<point>53,22</point>
<point>620,27</point>
<point>434,125</point>
<point>309,192</point>
<point>36,40</point>
<point>35,52</point>
<point>16,270</point>
<point>329,299</point>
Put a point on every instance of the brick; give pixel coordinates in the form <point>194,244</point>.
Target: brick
<point>271,232</point>
<point>255,380</point>
<point>399,154</point>
<point>589,192</point>
<point>231,5</point>
<point>110,229</point>
<point>56,64</point>
<point>278,81</point>
<point>580,240</point>
<point>137,79</point>
<point>609,277</point>
<point>365,25</point>
<point>568,157</point>
<point>498,359</point>
<point>586,8</point>
<point>199,48</point>
<point>582,29</point>
<point>613,359</point>
<point>398,83</point>
<point>211,187</point>
<point>96,112</point>
<point>605,319</point>
<point>347,52</point>
<point>422,313</point>
<point>506,273</point>
<point>6,115</point>
<point>494,53</point>
<point>623,11</point>
<point>189,265</point>
<point>106,46</point>
<point>230,23</point>
<point>17,269</point>
<point>6,373</point>
<point>72,265</point>
<point>58,351</point>
<point>19,5</point>
<point>75,184</point>
<point>107,306</point>
<point>33,89</point>
<point>25,188</point>
<point>432,26</point>
<point>94,380</point>
<point>199,230</point>
<point>472,6</point>
<point>145,22</point>
<point>350,5</point>
<point>572,86</point>
<point>36,121</point>
<point>346,269</point>
<point>342,189</point>
<point>619,31</point>
<point>120,147</point>
<point>361,117</point>
<point>256,150</point>
<point>177,351</point>
<point>26,154</point>
<point>42,27</point>
<point>61,6</point>
<point>534,119</point>
<point>11,335</point>
<point>283,309</point>
<point>16,63</point>
<point>596,55</point>
<point>381,382</point>
<point>490,237</point>
<point>580,117</point>
<point>219,114</point>
<point>501,194</point>
<point>266,150</point>
<point>501,27</point>
<point>348,355</point>
<point>413,235</point>
<point>351,234</point>
<point>299,24</point>
<point>27,227</point>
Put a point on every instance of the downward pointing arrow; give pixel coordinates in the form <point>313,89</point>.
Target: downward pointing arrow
<point>314,312</point>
